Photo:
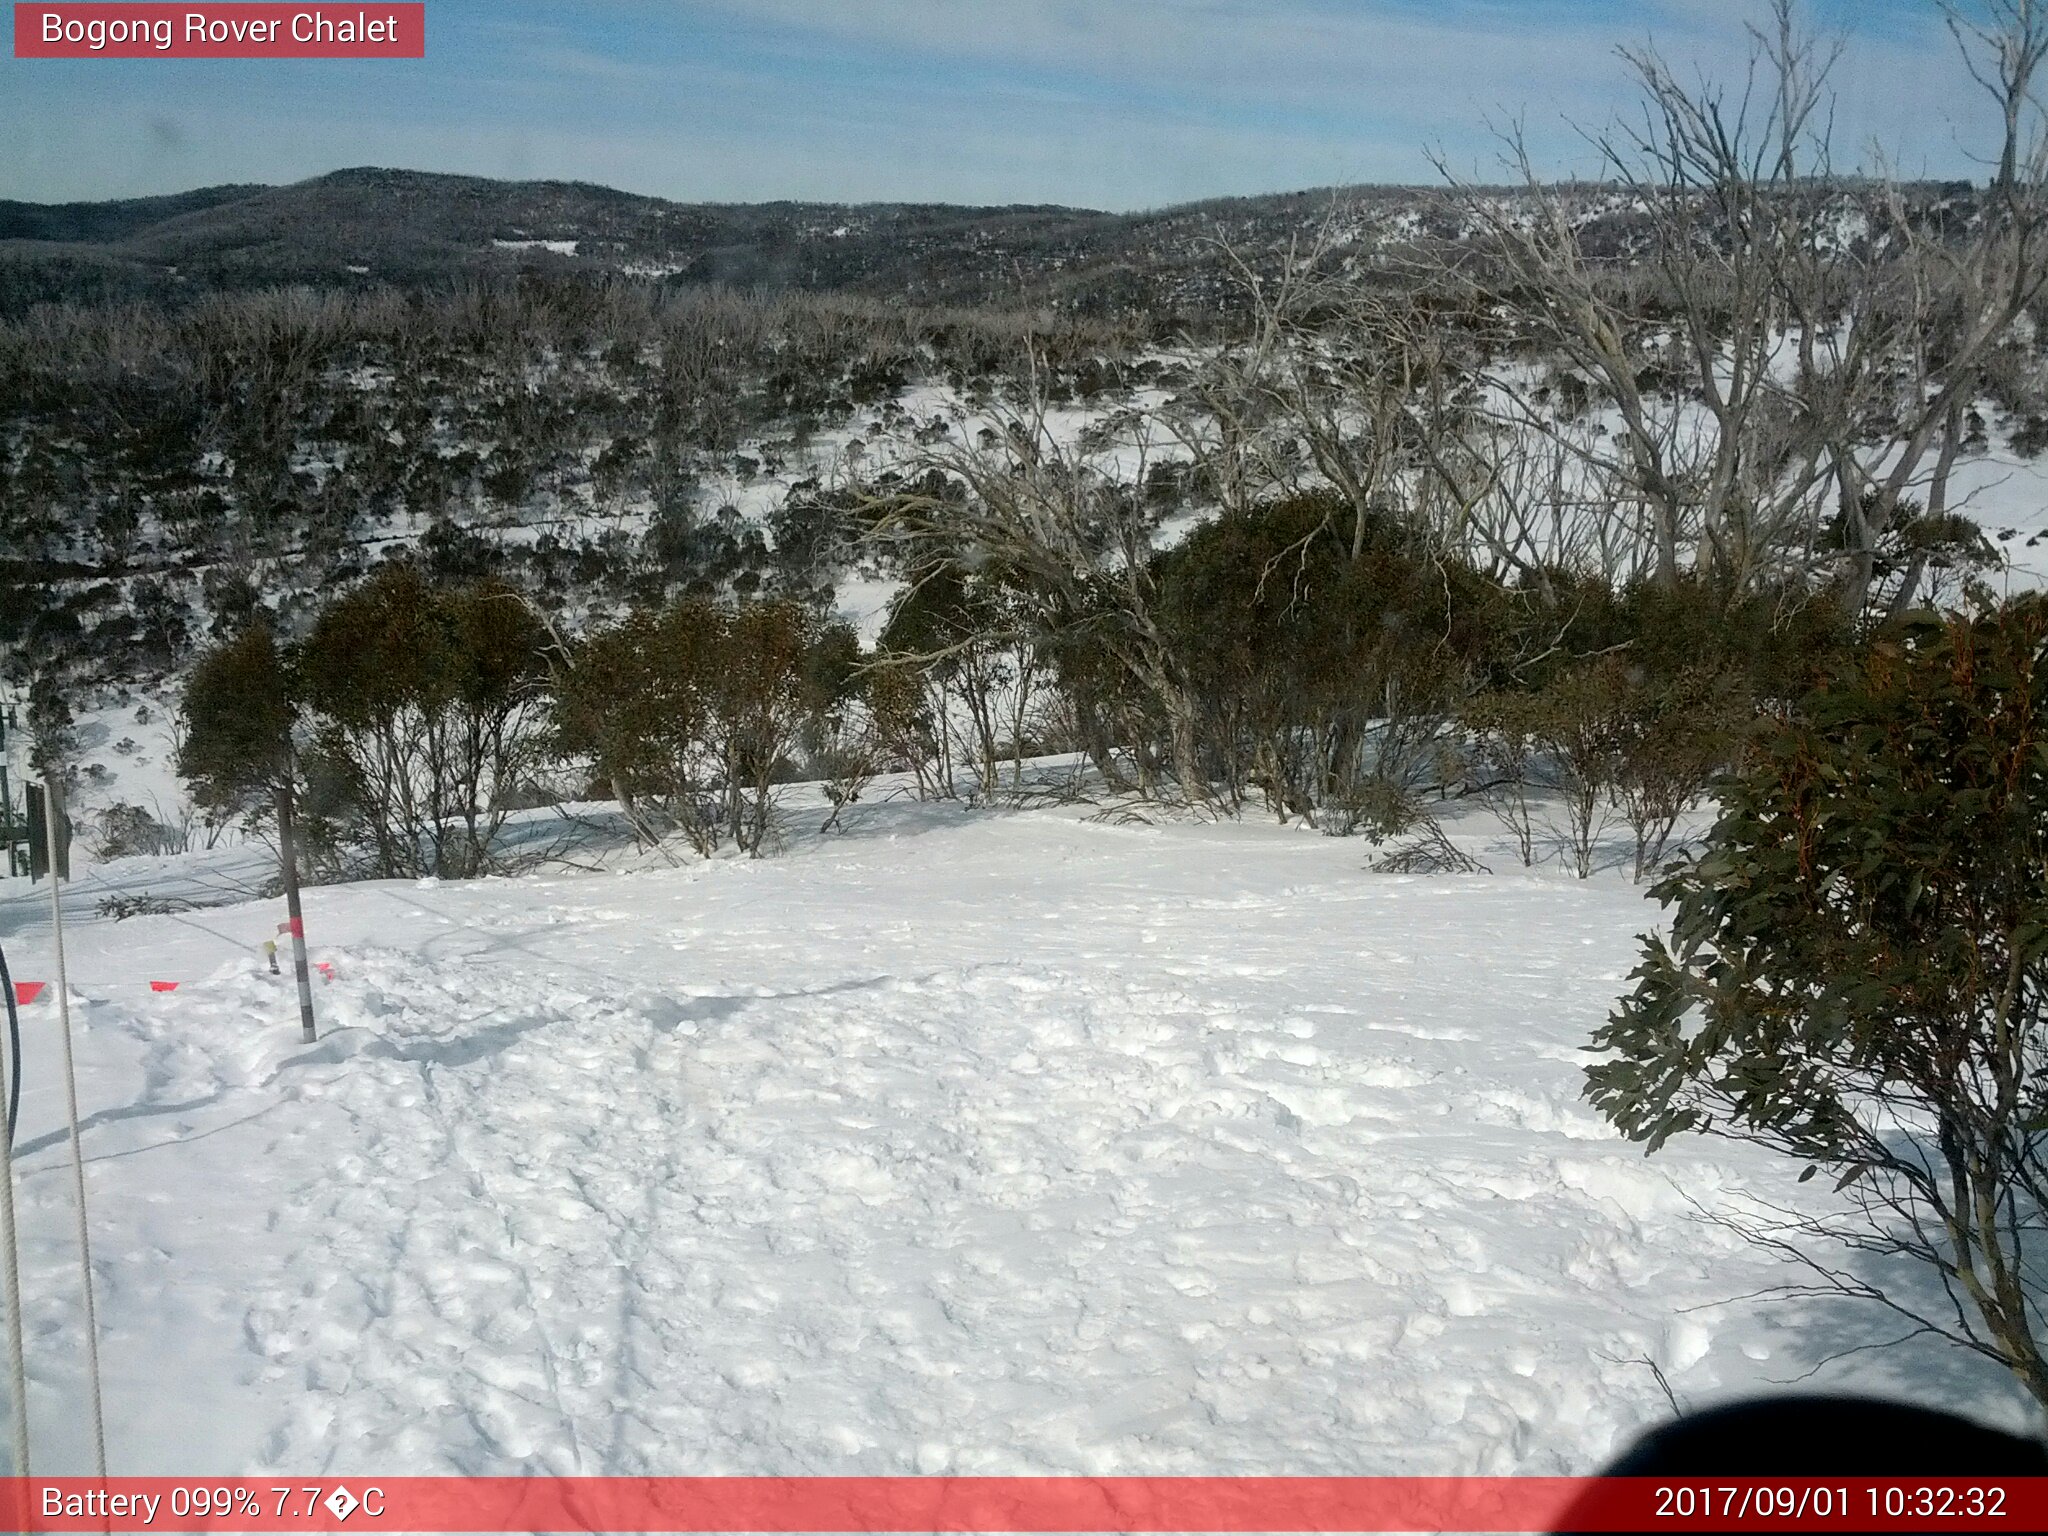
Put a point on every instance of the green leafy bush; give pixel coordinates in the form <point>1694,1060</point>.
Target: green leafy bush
<point>1857,971</point>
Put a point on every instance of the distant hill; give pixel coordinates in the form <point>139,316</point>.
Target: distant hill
<point>112,221</point>
<point>370,226</point>
<point>415,229</point>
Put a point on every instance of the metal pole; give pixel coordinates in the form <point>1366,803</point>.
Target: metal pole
<point>10,1258</point>
<point>9,836</point>
<point>297,925</point>
<point>6,795</point>
<point>10,1268</point>
<point>53,815</point>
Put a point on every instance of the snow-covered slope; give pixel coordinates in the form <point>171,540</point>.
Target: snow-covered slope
<point>2007,495</point>
<point>993,1143</point>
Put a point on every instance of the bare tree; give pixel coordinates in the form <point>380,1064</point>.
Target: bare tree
<point>1341,383</point>
<point>1916,350</point>
<point>1064,522</point>
<point>1762,317</point>
<point>1711,184</point>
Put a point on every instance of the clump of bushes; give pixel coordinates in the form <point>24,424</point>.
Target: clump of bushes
<point>690,714</point>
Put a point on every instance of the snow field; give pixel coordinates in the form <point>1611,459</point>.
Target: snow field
<point>973,1144</point>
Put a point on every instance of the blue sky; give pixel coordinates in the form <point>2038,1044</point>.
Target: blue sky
<point>1105,103</point>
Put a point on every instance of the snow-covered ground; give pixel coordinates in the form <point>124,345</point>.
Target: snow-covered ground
<point>962,1142</point>
<point>2007,494</point>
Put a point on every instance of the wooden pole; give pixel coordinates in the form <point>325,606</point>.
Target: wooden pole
<point>296,926</point>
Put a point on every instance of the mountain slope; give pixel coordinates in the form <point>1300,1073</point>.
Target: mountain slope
<point>410,227</point>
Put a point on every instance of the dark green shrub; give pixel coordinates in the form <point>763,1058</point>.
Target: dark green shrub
<point>1856,974</point>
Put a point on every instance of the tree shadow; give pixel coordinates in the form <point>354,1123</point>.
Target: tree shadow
<point>1851,1344</point>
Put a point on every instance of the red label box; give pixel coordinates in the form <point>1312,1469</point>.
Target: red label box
<point>366,29</point>
<point>877,1505</point>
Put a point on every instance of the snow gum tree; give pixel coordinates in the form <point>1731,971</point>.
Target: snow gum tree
<point>693,714</point>
<point>1326,657</point>
<point>632,698</point>
<point>1072,540</point>
<point>1856,976</point>
<point>970,633</point>
<point>428,713</point>
<point>763,694</point>
<point>240,711</point>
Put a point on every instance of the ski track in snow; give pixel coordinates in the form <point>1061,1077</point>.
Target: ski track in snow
<point>1010,1144</point>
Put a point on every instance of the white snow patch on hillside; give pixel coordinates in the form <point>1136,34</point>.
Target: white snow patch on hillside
<point>864,602</point>
<point>2007,496</point>
<point>554,247</point>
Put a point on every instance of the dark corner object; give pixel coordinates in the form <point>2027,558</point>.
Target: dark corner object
<point>1818,1436</point>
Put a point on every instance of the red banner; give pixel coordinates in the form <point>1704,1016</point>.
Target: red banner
<point>57,30</point>
<point>1023,1504</point>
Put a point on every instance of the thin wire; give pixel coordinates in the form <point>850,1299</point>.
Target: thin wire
<point>53,809</point>
<point>177,917</point>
